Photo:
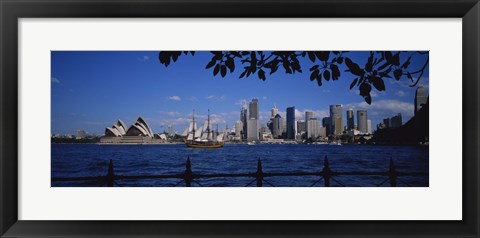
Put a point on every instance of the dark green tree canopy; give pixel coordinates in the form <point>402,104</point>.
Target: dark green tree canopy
<point>325,65</point>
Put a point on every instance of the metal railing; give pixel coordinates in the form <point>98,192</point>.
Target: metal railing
<point>189,177</point>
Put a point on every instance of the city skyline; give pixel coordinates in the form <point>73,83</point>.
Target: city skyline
<point>90,90</point>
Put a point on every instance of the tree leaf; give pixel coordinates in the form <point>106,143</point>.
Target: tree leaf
<point>319,80</point>
<point>311,56</point>
<point>261,74</point>
<point>211,64</point>
<point>243,74</point>
<point>398,74</point>
<point>322,55</point>
<point>353,83</point>
<point>335,71</point>
<point>314,75</point>
<point>223,70</point>
<point>378,83</point>
<point>216,69</point>
<point>365,89</point>
<point>230,64</point>
<point>353,67</point>
<point>368,99</point>
<point>326,75</point>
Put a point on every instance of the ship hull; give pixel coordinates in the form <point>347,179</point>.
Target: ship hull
<point>194,144</point>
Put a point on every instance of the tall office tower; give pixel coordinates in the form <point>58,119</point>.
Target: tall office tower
<point>362,121</point>
<point>301,126</point>
<point>291,123</point>
<point>420,99</point>
<point>252,130</point>
<point>386,122</point>
<point>243,119</point>
<point>308,116</point>
<point>350,120</point>
<point>313,128</point>
<point>274,111</point>
<point>326,123</point>
<point>336,119</point>
<point>170,130</point>
<point>369,126</point>
<point>238,128</point>
<point>254,109</point>
<point>396,121</point>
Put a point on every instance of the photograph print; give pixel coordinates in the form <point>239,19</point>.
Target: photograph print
<point>239,118</point>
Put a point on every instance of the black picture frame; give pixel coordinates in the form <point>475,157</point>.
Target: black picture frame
<point>12,10</point>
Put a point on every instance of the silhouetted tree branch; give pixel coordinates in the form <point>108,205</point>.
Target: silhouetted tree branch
<point>325,66</point>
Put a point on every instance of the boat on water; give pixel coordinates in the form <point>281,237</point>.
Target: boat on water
<point>335,143</point>
<point>251,143</point>
<point>203,137</point>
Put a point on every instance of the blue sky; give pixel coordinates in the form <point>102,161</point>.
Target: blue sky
<point>92,89</point>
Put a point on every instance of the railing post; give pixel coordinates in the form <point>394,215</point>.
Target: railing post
<point>188,173</point>
<point>259,176</point>
<point>110,175</point>
<point>392,174</point>
<point>326,172</point>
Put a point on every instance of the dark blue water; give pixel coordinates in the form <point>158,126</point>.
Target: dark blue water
<point>79,160</point>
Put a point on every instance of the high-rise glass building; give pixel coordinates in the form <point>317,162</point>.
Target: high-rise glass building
<point>252,130</point>
<point>362,121</point>
<point>308,116</point>
<point>326,123</point>
<point>243,119</point>
<point>350,120</point>
<point>420,99</point>
<point>291,123</point>
<point>336,118</point>
<point>274,111</point>
<point>254,109</point>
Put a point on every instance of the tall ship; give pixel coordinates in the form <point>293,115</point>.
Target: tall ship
<point>203,137</point>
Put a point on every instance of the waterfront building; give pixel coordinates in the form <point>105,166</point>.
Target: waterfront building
<point>350,120</point>
<point>254,109</point>
<point>308,116</point>
<point>362,121</point>
<point>420,99</point>
<point>138,133</point>
<point>81,134</point>
<point>291,123</point>
<point>313,128</point>
<point>386,122</point>
<point>326,123</point>
<point>252,130</point>
<point>277,127</point>
<point>238,128</point>
<point>369,126</point>
<point>243,119</point>
<point>396,121</point>
<point>336,118</point>
<point>301,126</point>
<point>274,111</point>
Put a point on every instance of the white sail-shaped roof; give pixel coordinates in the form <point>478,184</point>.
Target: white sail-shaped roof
<point>112,132</point>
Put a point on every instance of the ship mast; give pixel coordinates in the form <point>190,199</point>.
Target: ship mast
<point>208,126</point>
<point>193,125</point>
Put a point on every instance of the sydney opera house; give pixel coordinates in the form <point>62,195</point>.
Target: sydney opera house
<point>138,133</point>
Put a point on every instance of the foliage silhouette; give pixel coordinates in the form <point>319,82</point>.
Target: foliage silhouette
<point>379,66</point>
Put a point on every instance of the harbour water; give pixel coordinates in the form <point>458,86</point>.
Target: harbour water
<point>81,160</point>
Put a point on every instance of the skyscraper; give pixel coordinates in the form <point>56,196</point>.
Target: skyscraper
<point>369,126</point>
<point>238,128</point>
<point>252,130</point>
<point>254,109</point>
<point>313,128</point>
<point>326,123</point>
<point>274,111</point>
<point>243,119</point>
<point>396,121</point>
<point>308,116</point>
<point>277,127</point>
<point>420,99</point>
<point>350,120</point>
<point>362,121</point>
<point>291,123</point>
<point>336,118</point>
